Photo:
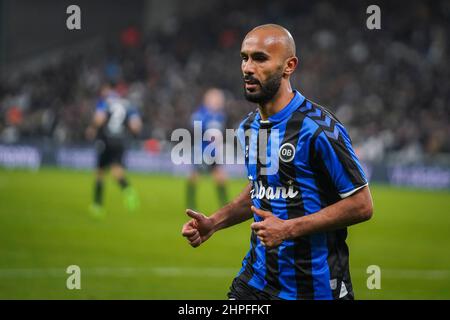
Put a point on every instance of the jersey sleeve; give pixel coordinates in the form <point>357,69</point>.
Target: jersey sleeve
<point>196,116</point>
<point>133,113</point>
<point>101,106</point>
<point>334,149</point>
<point>241,137</point>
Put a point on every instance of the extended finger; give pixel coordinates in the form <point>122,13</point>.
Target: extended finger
<point>262,213</point>
<point>193,214</point>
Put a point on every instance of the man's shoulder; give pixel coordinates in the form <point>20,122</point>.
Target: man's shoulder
<point>318,118</point>
<point>198,114</point>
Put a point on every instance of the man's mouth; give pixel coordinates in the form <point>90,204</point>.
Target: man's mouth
<point>251,84</point>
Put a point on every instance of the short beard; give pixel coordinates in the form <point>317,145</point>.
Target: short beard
<point>268,89</point>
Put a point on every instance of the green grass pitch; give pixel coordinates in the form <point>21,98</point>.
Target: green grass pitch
<point>45,227</point>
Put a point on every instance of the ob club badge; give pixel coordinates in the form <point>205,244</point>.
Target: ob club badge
<point>287,152</point>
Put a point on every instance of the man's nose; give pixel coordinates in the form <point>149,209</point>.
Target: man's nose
<point>248,67</point>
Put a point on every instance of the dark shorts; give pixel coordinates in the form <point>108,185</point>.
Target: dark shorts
<point>240,290</point>
<point>109,153</point>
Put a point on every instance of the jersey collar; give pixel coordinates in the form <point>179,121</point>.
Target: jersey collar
<point>295,102</point>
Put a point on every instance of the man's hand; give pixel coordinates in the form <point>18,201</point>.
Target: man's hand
<point>198,229</point>
<point>90,133</point>
<point>271,231</point>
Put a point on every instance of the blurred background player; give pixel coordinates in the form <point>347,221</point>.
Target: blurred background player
<point>211,116</point>
<point>114,118</point>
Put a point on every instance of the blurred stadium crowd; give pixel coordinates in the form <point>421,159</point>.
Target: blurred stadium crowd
<point>390,87</point>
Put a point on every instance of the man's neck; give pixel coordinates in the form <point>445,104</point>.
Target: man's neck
<point>279,101</point>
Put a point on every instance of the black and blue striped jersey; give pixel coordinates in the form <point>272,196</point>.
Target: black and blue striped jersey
<point>118,113</point>
<point>208,119</point>
<point>299,161</point>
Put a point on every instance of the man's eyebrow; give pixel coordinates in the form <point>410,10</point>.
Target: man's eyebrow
<point>260,53</point>
<point>256,53</point>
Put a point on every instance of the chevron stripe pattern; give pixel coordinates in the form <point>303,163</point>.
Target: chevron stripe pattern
<point>326,123</point>
<point>306,106</point>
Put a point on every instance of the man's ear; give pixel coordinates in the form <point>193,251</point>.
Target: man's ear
<point>291,65</point>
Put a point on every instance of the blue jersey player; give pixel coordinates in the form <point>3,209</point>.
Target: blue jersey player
<point>114,119</point>
<point>209,117</point>
<point>302,209</point>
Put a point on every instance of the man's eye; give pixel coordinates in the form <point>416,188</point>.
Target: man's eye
<point>260,58</point>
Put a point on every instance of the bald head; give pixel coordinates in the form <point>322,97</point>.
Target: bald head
<point>214,99</point>
<point>274,34</point>
<point>268,60</point>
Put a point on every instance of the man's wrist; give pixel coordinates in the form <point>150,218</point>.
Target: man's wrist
<point>292,228</point>
<point>215,222</point>
<point>219,217</point>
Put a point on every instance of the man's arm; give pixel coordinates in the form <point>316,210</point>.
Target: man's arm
<point>351,210</point>
<point>135,125</point>
<point>200,228</point>
<point>235,212</point>
<point>97,122</point>
<point>346,212</point>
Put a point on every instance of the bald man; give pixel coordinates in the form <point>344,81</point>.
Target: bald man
<point>306,184</point>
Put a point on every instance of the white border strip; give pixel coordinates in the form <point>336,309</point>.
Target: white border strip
<point>347,194</point>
